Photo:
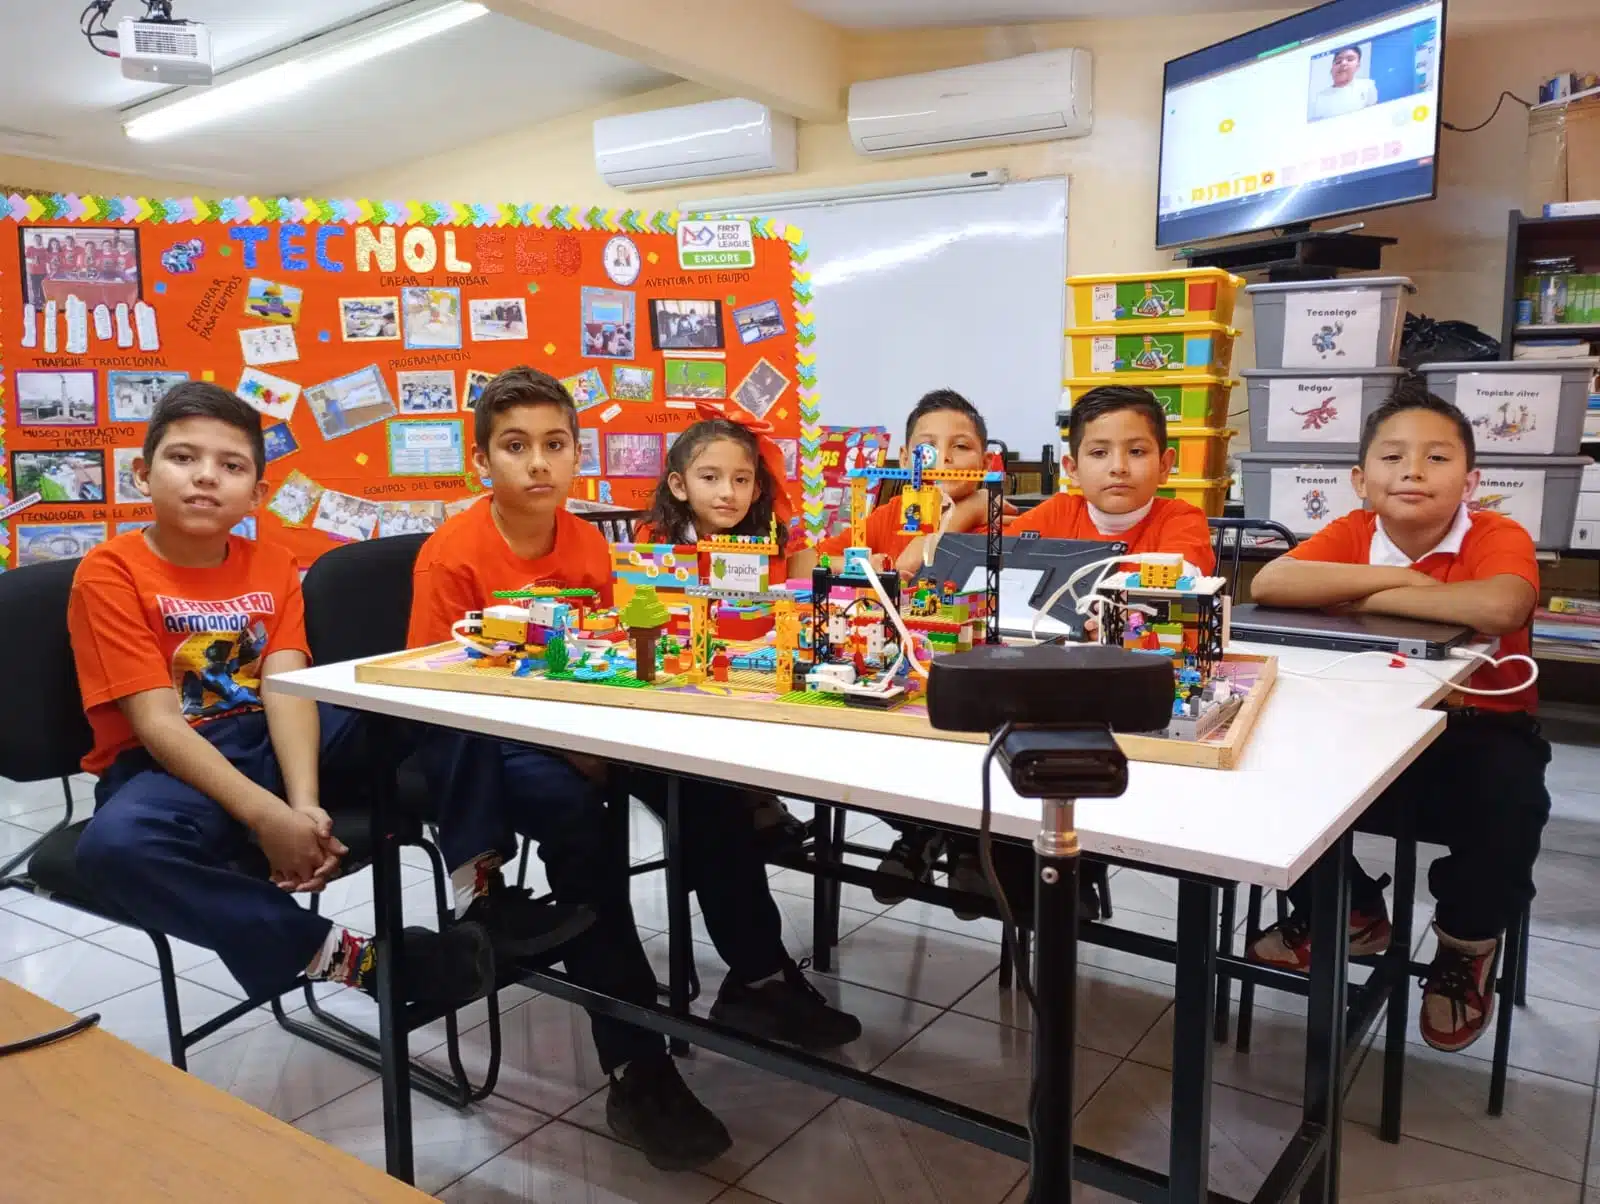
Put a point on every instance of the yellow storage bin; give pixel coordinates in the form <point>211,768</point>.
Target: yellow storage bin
<point>1184,294</point>
<point>1202,451</point>
<point>1211,496</point>
<point>1130,350</point>
<point>1190,398</point>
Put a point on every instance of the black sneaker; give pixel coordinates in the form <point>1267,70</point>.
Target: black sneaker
<point>450,967</point>
<point>777,828</point>
<point>789,1009</point>
<point>522,927</point>
<point>967,876</point>
<point>911,856</point>
<point>651,1108</point>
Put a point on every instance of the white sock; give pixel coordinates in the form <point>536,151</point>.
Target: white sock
<point>317,967</point>
<point>471,879</point>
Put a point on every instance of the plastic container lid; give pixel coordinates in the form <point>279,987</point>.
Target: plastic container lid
<point>1352,282</point>
<point>1307,373</point>
<point>1164,274</point>
<point>1153,379</point>
<point>1585,364</point>
<point>1165,329</point>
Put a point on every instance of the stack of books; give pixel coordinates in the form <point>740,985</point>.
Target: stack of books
<point>1568,629</point>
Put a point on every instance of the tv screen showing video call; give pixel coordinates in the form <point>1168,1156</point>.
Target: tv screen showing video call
<point>1332,111</point>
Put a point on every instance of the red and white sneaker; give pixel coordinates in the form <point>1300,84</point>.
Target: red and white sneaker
<point>1287,944</point>
<point>1458,992</point>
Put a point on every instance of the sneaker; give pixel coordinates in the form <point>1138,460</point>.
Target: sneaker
<point>651,1108</point>
<point>966,875</point>
<point>777,827</point>
<point>910,857</point>
<point>1458,992</point>
<point>787,1009</point>
<point>522,927</point>
<point>1287,944</point>
<point>451,967</point>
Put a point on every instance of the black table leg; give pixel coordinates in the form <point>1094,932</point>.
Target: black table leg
<point>1399,955</point>
<point>1193,1014</point>
<point>394,1046</point>
<point>1325,1014</point>
<point>680,933</point>
<point>822,853</point>
<point>1055,911</point>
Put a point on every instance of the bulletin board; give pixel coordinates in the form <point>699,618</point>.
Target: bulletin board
<point>361,330</point>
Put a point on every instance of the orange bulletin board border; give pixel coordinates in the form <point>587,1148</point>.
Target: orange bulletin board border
<point>212,285</point>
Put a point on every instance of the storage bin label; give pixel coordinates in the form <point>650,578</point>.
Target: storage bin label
<point>1517,493</point>
<point>1512,412</point>
<point>1334,329</point>
<point>1314,409</point>
<point>1139,299</point>
<point>1137,353</point>
<point>1307,499</point>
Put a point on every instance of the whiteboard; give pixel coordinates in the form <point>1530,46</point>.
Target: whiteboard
<point>963,290</point>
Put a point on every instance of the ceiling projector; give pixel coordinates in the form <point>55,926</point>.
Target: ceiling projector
<point>164,52</point>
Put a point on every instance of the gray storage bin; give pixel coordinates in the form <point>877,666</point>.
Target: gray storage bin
<point>1521,407</point>
<point>1380,350</point>
<point>1301,395</point>
<point>1305,493</point>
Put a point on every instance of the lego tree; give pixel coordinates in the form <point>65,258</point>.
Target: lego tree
<point>644,617</point>
<point>555,654</point>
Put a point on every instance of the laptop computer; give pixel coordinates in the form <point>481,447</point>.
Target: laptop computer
<point>1031,569</point>
<point>1346,632</point>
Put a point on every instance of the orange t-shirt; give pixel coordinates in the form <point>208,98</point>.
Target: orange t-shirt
<point>467,559</point>
<point>885,535</point>
<point>1171,526</point>
<point>778,568</point>
<point>141,623</point>
<point>1493,546</point>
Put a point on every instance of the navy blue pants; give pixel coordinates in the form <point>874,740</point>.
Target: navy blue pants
<point>489,791</point>
<point>178,864</point>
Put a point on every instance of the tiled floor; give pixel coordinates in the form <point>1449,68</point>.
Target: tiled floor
<point>924,985</point>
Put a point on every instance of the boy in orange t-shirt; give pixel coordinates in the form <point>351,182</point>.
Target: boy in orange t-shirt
<point>1420,553</point>
<point>526,432</point>
<point>1119,457</point>
<point>174,629</point>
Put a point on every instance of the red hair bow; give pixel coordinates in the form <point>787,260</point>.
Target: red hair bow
<point>771,453</point>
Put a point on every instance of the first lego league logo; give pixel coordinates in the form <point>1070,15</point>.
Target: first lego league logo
<point>704,245</point>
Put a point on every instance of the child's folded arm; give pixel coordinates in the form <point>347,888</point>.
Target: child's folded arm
<point>1494,606</point>
<point>1308,584</point>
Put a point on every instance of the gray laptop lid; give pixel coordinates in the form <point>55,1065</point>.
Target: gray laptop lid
<point>1319,629</point>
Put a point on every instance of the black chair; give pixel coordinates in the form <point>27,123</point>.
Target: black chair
<point>616,525</point>
<point>50,739</point>
<point>358,604</point>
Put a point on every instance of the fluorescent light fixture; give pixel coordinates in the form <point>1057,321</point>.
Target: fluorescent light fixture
<point>285,79</point>
<point>769,202</point>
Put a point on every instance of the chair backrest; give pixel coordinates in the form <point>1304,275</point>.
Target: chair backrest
<point>358,598</point>
<point>1232,551</point>
<point>616,525</point>
<point>46,735</point>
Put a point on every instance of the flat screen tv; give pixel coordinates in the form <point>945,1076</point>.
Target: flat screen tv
<point>1332,111</point>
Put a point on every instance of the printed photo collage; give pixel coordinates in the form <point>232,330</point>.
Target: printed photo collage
<point>432,436</point>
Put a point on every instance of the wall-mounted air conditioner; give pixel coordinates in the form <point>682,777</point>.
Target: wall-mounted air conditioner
<point>716,140</point>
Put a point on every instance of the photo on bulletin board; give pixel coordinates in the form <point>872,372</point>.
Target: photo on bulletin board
<point>761,388</point>
<point>271,396</point>
<point>59,476</point>
<point>246,527</point>
<point>125,490</point>
<point>475,381</point>
<point>686,325</point>
<point>498,320</point>
<point>697,380</point>
<point>56,398</point>
<point>124,528</point>
<point>431,318</point>
<point>588,452</point>
<point>757,322</point>
<point>98,266</point>
<point>267,345</point>
<point>608,323</point>
<point>345,516</point>
<point>426,449</point>
<point>409,518</point>
<point>369,319</point>
<point>269,301</point>
<point>791,457</point>
<point>348,403</point>
<point>633,384</point>
<point>40,543</point>
<point>130,396</point>
<point>586,389</point>
<point>431,392</point>
<point>279,440</point>
<point>633,455</point>
<point>296,498</point>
